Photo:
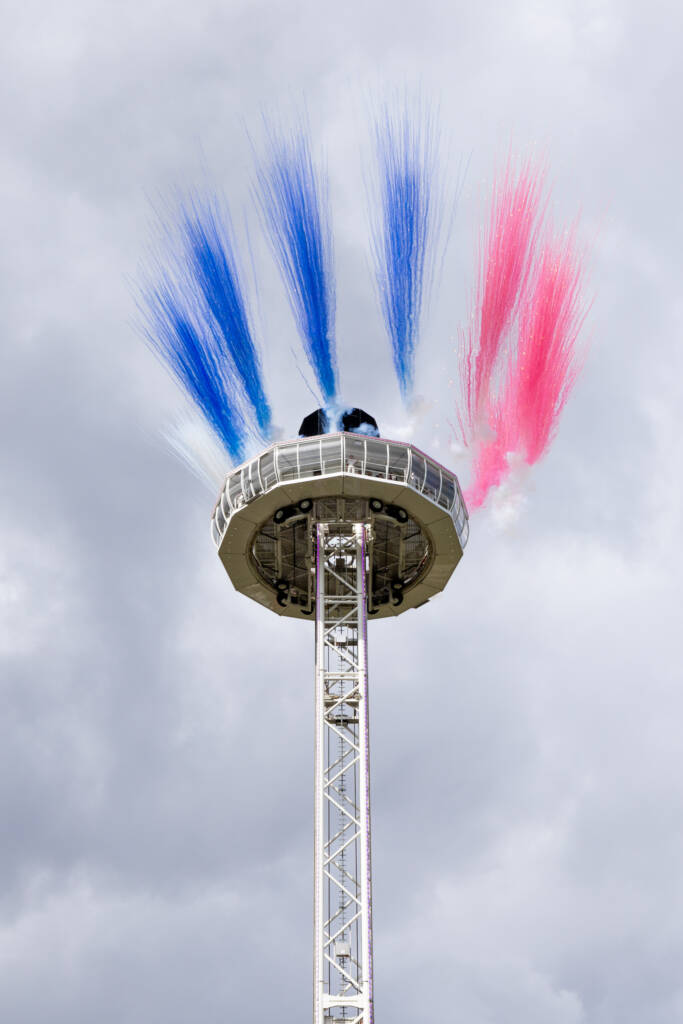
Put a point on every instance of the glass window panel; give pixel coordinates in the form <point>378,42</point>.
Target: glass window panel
<point>254,478</point>
<point>398,462</point>
<point>246,484</point>
<point>447,493</point>
<point>268,475</point>
<point>215,533</point>
<point>235,490</point>
<point>309,458</point>
<point>287,464</point>
<point>354,454</point>
<point>417,471</point>
<point>331,449</point>
<point>432,484</point>
<point>376,458</point>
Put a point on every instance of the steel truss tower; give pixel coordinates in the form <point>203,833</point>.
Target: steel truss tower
<point>342,968</point>
<point>338,528</point>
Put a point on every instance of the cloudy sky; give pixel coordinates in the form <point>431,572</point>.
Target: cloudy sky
<point>156,728</point>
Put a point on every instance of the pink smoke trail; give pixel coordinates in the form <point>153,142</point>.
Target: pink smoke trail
<point>547,363</point>
<point>490,467</point>
<point>543,365</point>
<point>503,269</point>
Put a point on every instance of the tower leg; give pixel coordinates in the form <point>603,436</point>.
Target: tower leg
<point>342,954</point>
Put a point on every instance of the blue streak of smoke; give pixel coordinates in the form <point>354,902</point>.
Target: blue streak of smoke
<point>294,202</point>
<point>212,262</point>
<point>195,318</point>
<point>404,233</point>
<point>195,357</point>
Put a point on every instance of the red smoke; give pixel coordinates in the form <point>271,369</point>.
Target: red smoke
<point>520,360</point>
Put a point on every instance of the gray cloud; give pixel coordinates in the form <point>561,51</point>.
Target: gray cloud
<point>155,764</point>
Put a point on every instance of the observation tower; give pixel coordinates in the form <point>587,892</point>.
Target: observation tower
<point>338,527</point>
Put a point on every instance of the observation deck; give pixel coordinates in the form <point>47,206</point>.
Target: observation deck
<point>263,521</point>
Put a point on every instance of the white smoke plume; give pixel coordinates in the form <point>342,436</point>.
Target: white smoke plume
<point>195,445</point>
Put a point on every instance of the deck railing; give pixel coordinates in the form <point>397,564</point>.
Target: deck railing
<point>331,454</point>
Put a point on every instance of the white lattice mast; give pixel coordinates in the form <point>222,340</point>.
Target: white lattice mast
<point>340,527</point>
<point>342,945</point>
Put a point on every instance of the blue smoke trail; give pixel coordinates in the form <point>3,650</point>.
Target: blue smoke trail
<point>211,259</point>
<point>195,318</point>
<point>195,357</point>
<point>293,200</point>
<point>404,234</point>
